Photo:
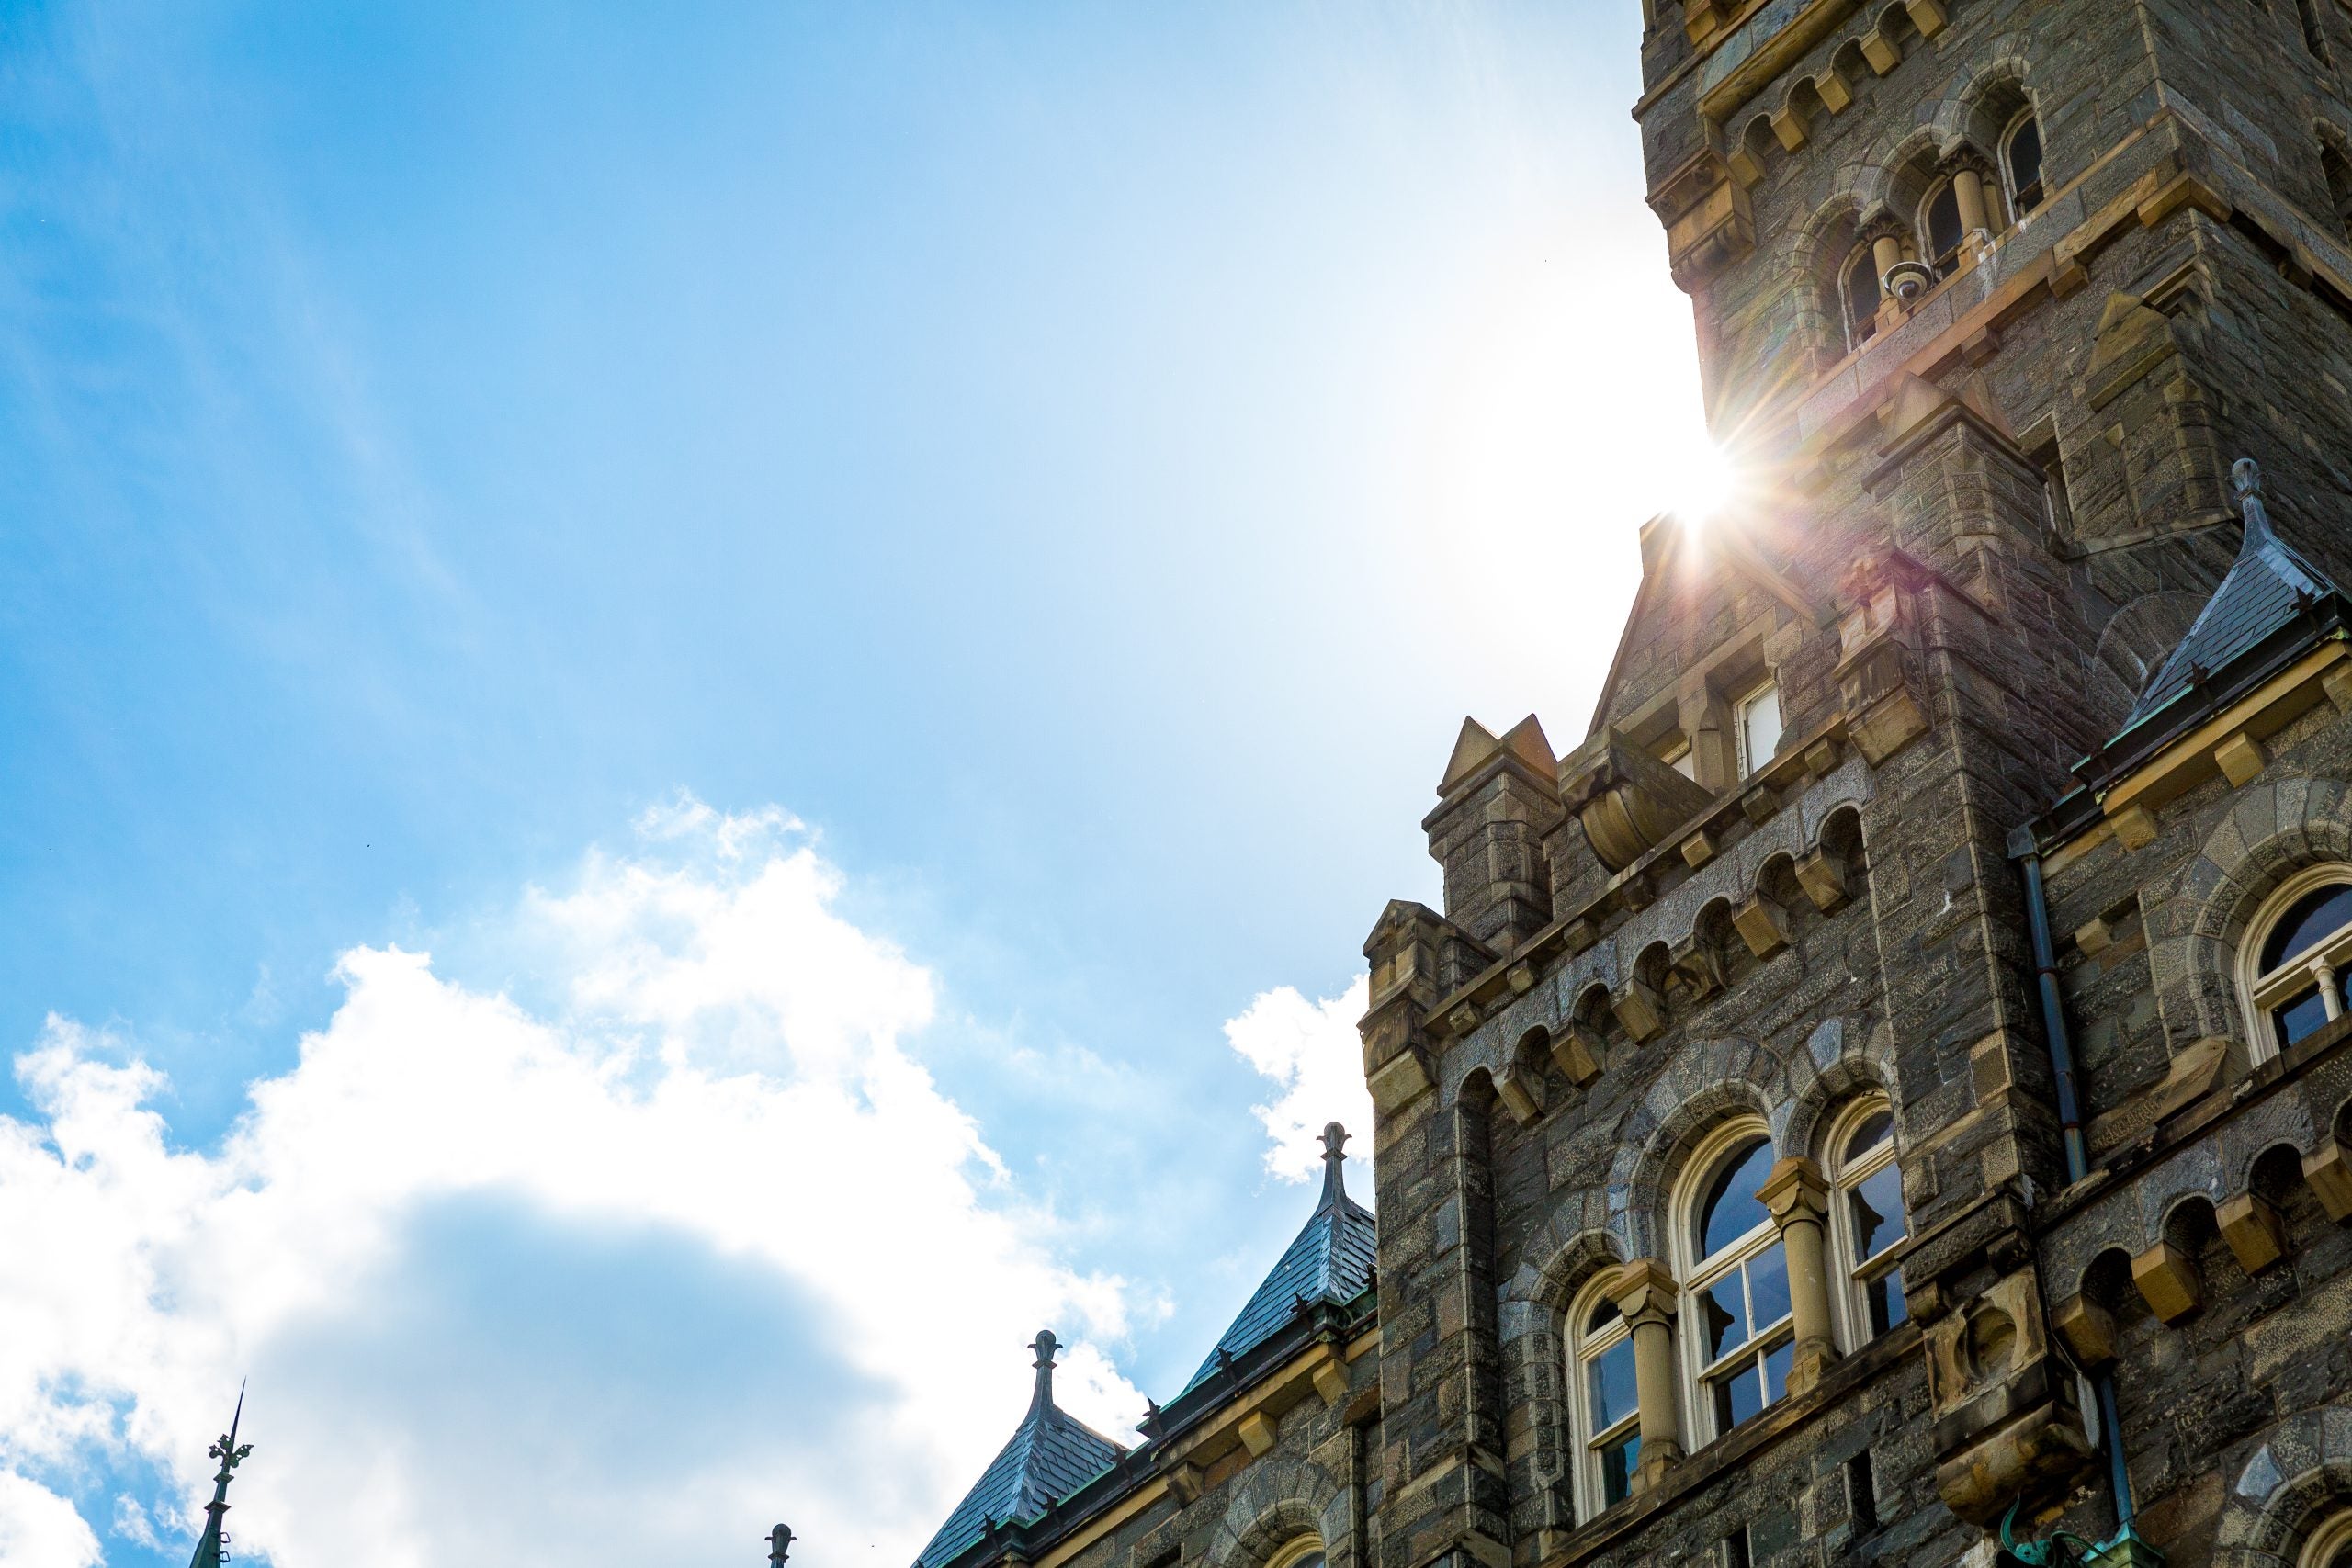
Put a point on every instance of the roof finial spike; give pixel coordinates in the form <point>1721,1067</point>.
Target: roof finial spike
<point>2245,476</point>
<point>211,1548</point>
<point>1044,1345</point>
<point>779,1545</point>
<point>1335,1185</point>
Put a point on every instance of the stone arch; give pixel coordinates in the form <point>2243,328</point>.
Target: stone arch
<point>1275,1504</point>
<point>2273,829</point>
<point>1842,1058</point>
<point>2298,1475</point>
<point>1816,252</point>
<point>1574,1248</point>
<point>1980,106</point>
<point>1710,1080</point>
<point>1910,168</point>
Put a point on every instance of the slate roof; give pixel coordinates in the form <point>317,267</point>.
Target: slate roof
<point>1331,1260</point>
<point>2270,585</point>
<point>1051,1455</point>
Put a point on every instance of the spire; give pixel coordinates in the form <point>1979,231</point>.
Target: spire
<point>1335,1185</point>
<point>1051,1454</point>
<point>1044,1345</point>
<point>212,1548</point>
<point>2267,589</point>
<point>1331,1260</point>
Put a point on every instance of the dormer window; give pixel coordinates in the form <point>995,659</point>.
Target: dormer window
<point>1759,715</point>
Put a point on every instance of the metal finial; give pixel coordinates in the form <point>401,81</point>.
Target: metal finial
<point>1044,1345</point>
<point>2245,476</point>
<point>779,1545</point>
<point>1335,1185</point>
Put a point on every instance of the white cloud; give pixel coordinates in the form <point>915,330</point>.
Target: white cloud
<point>717,1130</point>
<point>39,1529</point>
<point>1311,1052</point>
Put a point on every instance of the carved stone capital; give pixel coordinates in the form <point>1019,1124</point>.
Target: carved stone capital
<point>1628,801</point>
<point>1645,1292</point>
<point>1795,1193</point>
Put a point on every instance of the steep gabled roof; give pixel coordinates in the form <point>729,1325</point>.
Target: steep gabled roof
<point>2269,586</point>
<point>1331,1260</point>
<point>1051,1455</point>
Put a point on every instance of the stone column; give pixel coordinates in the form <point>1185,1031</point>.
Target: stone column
<point>1646,1294</point>
<point>1799,1200</point>
<point>1968,189</point>
<point>1885,251</point>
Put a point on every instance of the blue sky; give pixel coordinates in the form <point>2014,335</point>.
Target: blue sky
<point>881,573</point>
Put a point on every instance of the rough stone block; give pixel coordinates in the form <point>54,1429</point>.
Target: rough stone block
<point>1639,1011</point>
<point>2088,1328</point>
<point>2168,1282</point>
<point>1522,1093</point>
<point>2240,759</point>
<point>1821,875</point>
<point>1257,1432</point>
<point>2253,1228</point>
<point>2330,1175</point>
<point>2135,827</point>
<point>1762,924</point>
<point>1576,1051</point>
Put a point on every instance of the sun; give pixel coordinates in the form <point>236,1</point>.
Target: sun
<point>1706,482</point>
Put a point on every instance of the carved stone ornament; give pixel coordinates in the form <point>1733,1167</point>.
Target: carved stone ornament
<point>1628,801</point>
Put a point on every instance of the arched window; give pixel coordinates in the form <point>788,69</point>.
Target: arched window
<point>1940,221</point>
<point>2329,1546</point>
<point>2338,172</point>
<point>1866,1219</point>
<point>1737,1335</point>
<point>2296,948</point>
<point>1601,1400</point>
<point>1858,296</point>
<point>1304,1552</point>
<point>2021,153</point>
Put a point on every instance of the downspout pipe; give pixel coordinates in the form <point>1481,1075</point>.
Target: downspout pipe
<point>2027,853</point>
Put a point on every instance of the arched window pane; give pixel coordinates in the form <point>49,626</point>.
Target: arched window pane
<point>1610,1383</point>
<point>1943,227</point>
<point>2025,163</point>
<point>2319,914</point>
<point>1876,1203</point>
<point>1312,1559</point>
<point>1861,298</point>
<point>1875,1129</point>
<point>1732,1209</point>
<point>1604,1313</point>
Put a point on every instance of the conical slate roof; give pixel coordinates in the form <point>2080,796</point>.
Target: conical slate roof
<point>2267,586</point>
<point>1051,1455</point>
<point>1331,1261</point>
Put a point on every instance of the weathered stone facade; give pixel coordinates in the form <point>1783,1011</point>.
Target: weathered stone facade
<point>1989,295</point>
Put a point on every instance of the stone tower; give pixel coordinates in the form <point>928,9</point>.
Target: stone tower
<point>1882,1092</point>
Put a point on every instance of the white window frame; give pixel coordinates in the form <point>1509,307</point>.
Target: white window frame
<point>1855,1272</point>
<point>2323,963</point>
<point>1698,1273</point>
<point>1768,686</point>
<point>1682,758</point>
<point>2333,1537</point>
<point>2011,191</point>
<point>1583,1348</point>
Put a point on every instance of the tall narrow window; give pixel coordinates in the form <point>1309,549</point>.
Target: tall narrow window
<point>2314,32</point>
<point>2021,151</point>
<point>1735,1323</point>
<point>1866,1218</point>
<point>1940,220</point>
<point>1760,727</point>
<point>1858,295</point>
<point>1601,1399</point>
<point>2296,949</point>
<point>2339,170</point>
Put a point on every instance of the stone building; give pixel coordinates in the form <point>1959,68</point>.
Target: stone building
<point>1883,1086</point>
